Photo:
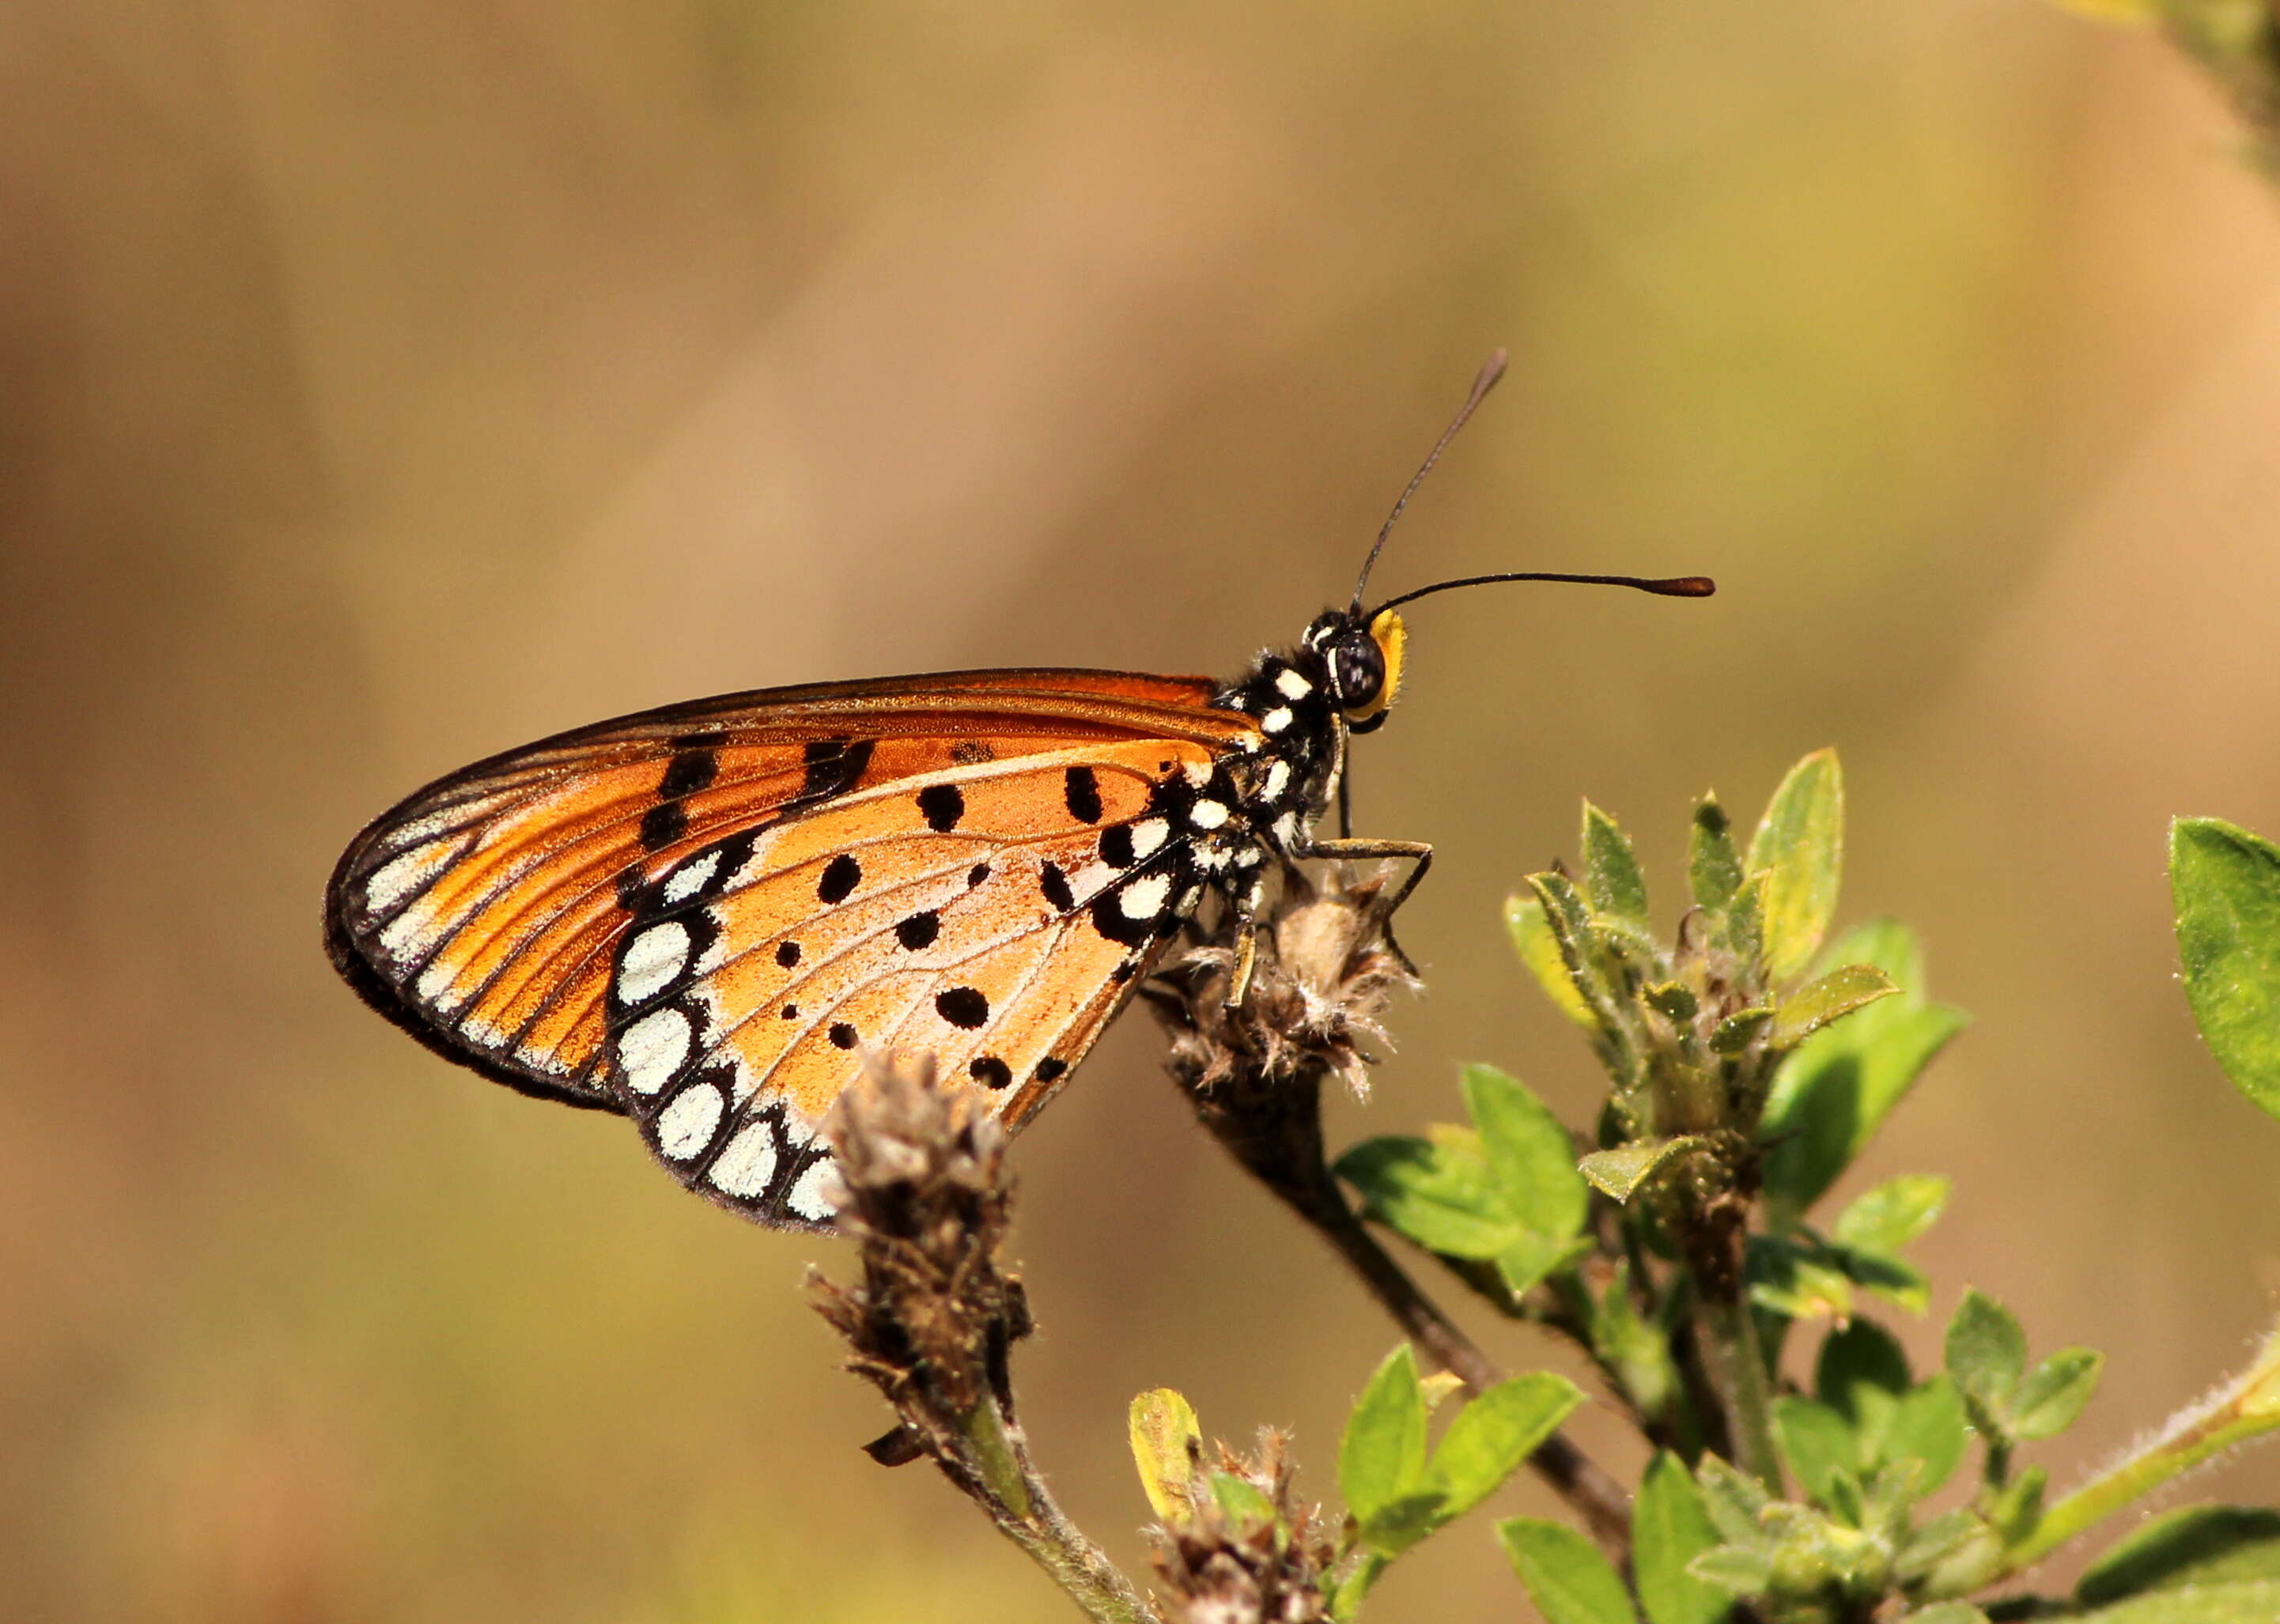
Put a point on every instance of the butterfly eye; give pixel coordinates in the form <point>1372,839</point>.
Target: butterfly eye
<point>1365,666</point>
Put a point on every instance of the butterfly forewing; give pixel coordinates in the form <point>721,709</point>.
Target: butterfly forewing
<point>988,914</point>
<point>994,833</point>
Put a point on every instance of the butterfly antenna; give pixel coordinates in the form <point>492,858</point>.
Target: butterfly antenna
<point>1668,586</point>
<point>1491,371</point>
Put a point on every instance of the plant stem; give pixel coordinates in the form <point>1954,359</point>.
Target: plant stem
<point>2249,1408</point>
<point>1726,1338</point>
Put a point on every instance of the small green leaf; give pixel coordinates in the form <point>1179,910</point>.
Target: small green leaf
<point>1945,1612</point>
<point>1734,1570</point>
<point>1567,1579</point>
<point>1165,1438</point>
<point>1890,1216</point>
<point>2053,1393</point>
<point>1539,950</point>
<point>1669,1529</point>
<point>1734,1034</point>
<point>1936,1542</point>
<point>1861,1373</point>
<point>1346,1599</point>
<point>1397,1527</point>
<point>1611,878</point>
<point>1673,1001</point>
<point>1800,846</point>
<point>1746,919</point>
<point>1439,1196</point>
<point>2226,883</point>
<point>1636,1352</point>
<point>1533,1257</point>
<point>1986,1354</point>
<point>1494,1433</point>
<point>1736,1503</point>
<point>2196,1545</point>
<point>1796,1280</point>
<point>1837,1087</point>
<point>1927,1427</point>
<point>1832,997</point>
<point>1620,1171</point>
<point>1713,869</point>
<point>1240,1502</point>
<point>2018,1507</point>
<point>1382,1457</point>
<point>1530,1157</point>
<point>1817,1442</point>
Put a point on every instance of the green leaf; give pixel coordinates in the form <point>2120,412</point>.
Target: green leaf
<point>1494,1433</point>
<point>1945,1612</point>
<point>1533,1257</point>
<point>1836,1089</point>
<point>1567,1579</point>
<point>1673,1001</point>
<point>1530,1157</point>
<point>2255,1601</point>
<point>1890,1216</point>
<point>1936,1542</point>
<point>1439,1196</point>
<point>1832,997</point>
<point>1240,1502</point>
<point>2226,883</point>
<point>2196,1545</point>
<point>1736,1503</point>
<point>1861,1373</point>
<point>2018,1505</point>
<point>1800,846</point>
<point>1986,1354</point>
<point>1801,1280</point>
<point>1620,1171</point>
<point>1382,1457</point>
<point>1346,1599</point>
<point>1165,1438</point>
<point>1927,1427</point>
<point>1611,878</point>
<point>1732,1034</point>
<point>1669,1529</point>
<point>1636,1352</point>
<point>1817,1442</point>
<point>1734,1570</point>
<point>1746,919</point>
<point>1713,869</point>
<point>1539,951</point>
<point>2053,1393</point>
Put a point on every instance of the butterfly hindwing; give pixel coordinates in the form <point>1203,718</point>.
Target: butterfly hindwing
<point>990,914</point>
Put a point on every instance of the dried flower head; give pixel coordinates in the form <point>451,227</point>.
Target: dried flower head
<point>926,1199</point>
<point>1246,1550</point>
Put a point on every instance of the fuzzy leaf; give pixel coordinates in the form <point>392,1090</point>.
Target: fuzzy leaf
<point>1437,1195</point>
<point>1567,1579</point>
<point>1539,951</point>
<point>1929,1427</point>
<point>1669,1529</point>
<point>1535,1258</point>
<point>1736,1503</point>
<point>1612,877</point>
<point>1165,1436</point>
<point>1733,1035</point>
<point>1382,1457</point>
<point>1817,1442</point>
<point>1836,1089</point>
<point>1620,1171</point>
<point>1530,1157</point>
<point>1494,1433</point>
<point>1890,1216</point>
<point>1713,869</point>
<point>1831,998</point>
<point>2196,1545</point>
<point>1240,1502</point>
<point>1800,846</point>
<point>2226,883</point>
<point>2053,1393</point>
<point>1734,1570</point>
<point>1986,1354</point>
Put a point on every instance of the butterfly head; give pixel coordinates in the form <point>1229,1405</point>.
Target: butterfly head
<point>1360,658</point>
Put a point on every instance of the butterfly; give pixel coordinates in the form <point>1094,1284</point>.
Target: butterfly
<point>705,917</point>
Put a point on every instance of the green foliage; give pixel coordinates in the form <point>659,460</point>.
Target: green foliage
<point>1799,848</point>
<point>1669,1528</point>
<point>1567,1579</point>
<point>2226,882</point>
<point>2196,1546</point>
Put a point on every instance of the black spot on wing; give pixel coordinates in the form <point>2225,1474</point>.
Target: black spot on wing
<point>962,1006</point>
<point>833,766</point>
<point>1116,845</point>
<point>977,875</point>
<point>662,825</point>
<point>1082,791</point>
<point>689,771</point>
<point>920,930</point>
<point>842,1035</point>
<point>1110,920</point>
<point>941,805</point>
<point>1055,886</point>
<point>1050,1068</point>
<point>787,953</point>
<point>989,1071</point>
<point>840,875</point>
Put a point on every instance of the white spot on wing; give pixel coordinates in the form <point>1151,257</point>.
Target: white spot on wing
<point>685,1126</point>
<point>435,985</point>
<point>652,960</point>
<point>402,932</point>
<point>690,878</point>
<point>652,1049</point>
<point>1196,772</point>
<point>816,1195</point>
<point>1278,780</point>
<point>1147,836</point>
<point>1144,899</point>
<point>401,875</point>
<point>744,1168</point>
<point>1291,685</point>
<point>1276,719</point>
<point>1207,814</point>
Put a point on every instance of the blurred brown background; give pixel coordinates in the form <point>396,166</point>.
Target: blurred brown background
<point>386,385</point>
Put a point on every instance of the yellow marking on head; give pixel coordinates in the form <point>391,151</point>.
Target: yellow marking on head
<point>1391,637</point>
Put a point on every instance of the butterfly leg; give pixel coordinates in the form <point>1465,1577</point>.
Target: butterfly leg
<point>1418,852</point>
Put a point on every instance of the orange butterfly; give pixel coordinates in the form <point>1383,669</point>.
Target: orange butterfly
<point>702,916</point>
